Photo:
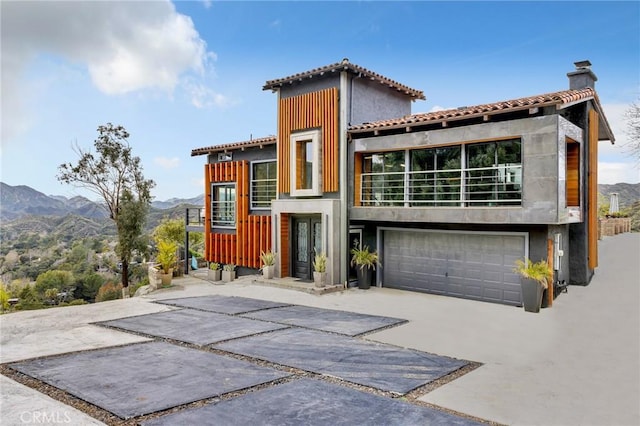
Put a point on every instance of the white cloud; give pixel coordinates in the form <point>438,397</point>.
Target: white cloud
<point>610,173</point>
<point>125,47</point>
<point>204,97</point>
<point>167,163</point>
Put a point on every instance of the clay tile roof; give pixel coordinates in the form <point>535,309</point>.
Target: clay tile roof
<point>344,65</point>
<point>260,142</point>
<point>561,100</point>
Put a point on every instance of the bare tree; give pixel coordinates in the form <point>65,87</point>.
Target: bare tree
<point>632,116</point>
<point>115,175</point>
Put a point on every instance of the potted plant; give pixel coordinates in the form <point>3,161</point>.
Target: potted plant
<point>167,260</point>
<point>534,277</point>
<point>365,262</point>
<point>214,272</point>
<point>268,259</point>
<point>228,272</point>
<point>320,270</point>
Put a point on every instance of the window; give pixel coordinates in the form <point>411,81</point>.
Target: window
<point>494,173</point>
<point>263,184</point>
<point>478,174</point>
<point>305,164</point>
<point>223,205</point>
<point>385,177</point>
<point>436,175</point>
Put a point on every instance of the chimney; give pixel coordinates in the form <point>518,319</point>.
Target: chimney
<point>582,77</point>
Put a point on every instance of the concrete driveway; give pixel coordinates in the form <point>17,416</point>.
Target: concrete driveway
<point>575,363</point>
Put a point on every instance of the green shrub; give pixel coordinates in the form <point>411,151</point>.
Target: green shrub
<point>61,280</point>
<point>109,291</point>
<point>135,287</point>
<point>76,302</point>
<point>4,298</point>
<point>29,300</point>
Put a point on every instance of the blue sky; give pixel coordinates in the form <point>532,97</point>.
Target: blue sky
<point>186,75</point>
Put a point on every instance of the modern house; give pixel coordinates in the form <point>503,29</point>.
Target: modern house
<point>449,199</point>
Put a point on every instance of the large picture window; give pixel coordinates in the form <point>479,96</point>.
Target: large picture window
<point>494,174</point>
<point>263,184</point>
<point>385,177</point>
<point>223,205</point>
<point>477,174</point>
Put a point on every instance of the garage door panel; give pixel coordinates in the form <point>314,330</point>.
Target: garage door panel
<point>475,266</point>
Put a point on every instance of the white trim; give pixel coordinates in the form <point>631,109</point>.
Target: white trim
<point>235,207</point>
<point>314,136</point>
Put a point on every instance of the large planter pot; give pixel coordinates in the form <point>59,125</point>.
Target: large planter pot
<point>268,271</point>
<point>228,276</point>
<point>531,294</point>
<point>364,277</point>
<point>319,279</point>
<point>165,279</point>
<point>214,275</point>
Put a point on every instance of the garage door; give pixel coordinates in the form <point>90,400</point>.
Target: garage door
<point>468,265</point>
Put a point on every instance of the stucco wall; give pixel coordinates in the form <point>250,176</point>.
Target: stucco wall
<point>542,140</point>
<point>309,85</point>
<point>372,101</point>
<point>267,152</point>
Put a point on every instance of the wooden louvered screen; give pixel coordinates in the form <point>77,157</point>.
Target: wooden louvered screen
<point>592,184</point>
<point>304,112</point>
<point>573,174</point>
<point>252,233</point>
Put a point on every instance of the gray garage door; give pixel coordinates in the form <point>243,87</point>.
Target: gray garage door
<point>468,265</point>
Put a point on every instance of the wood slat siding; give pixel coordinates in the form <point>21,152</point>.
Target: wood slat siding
<point>592,210</point>
<point>304,112</point>
<point>573,174</point>
<point>284,246</point>
<point>252,233</point>
<point>357,183</point>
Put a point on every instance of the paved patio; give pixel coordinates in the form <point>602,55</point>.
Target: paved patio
<point>575,363</point>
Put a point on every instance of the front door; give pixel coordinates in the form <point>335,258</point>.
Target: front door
<point>307,239</point>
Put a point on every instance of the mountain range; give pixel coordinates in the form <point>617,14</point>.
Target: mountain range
<point>20,201</point>
<point>24,210</point>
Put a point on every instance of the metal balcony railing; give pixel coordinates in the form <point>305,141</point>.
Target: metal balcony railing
<point>488,186</point>
<point>195,216</point>
<point>262,192</point>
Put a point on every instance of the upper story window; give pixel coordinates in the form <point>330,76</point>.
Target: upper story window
<point>305,164</point>
<point>223,205</point>
<point>263,184</point>
<point>385,176</point>
<point>480,174</point>
<point>493,175</point>
<point>435,176</point>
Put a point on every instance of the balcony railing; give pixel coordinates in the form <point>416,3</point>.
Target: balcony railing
<point>488,186</point>
<point>262,192</point>
<point>195,216</point>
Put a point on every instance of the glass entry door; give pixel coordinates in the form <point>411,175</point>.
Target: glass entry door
<point>307,240</point>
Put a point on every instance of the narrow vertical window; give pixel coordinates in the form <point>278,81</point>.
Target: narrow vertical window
<point>305,164</point>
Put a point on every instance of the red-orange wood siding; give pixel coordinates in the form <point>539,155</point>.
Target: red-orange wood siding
<point>592,210</point>
<point>573,174</point>
<point>310,111</point>
<point>252,232</point>
<point>284,246</point>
